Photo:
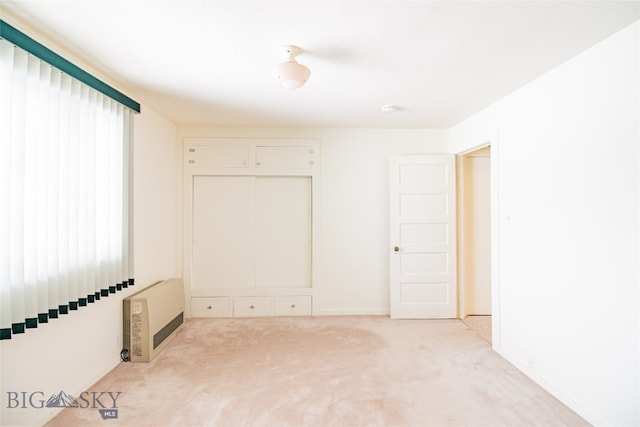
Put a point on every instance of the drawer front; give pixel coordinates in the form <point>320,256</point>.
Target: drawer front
<point>211,307</point>
<point>293,305</point>
<point>252,306</point>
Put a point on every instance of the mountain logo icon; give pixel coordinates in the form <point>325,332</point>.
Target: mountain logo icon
<point>62,400</point>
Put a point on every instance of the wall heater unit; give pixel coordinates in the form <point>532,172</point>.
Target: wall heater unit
<point>152,318</point>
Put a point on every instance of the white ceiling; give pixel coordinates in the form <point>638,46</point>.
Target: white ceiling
<point>211,62</point>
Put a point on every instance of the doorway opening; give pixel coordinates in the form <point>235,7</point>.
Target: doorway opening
<point>474,241</point>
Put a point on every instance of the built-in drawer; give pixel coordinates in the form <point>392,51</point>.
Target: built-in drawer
<point>211,307</point>
<point>252,306</point>
<point>299,305</point>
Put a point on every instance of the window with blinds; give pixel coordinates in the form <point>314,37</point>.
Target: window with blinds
<point>64,191</point>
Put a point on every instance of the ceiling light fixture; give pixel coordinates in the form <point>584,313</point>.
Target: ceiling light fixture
<point>291,74</point>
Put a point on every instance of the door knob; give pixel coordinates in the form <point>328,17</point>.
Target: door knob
<point>396,249</point>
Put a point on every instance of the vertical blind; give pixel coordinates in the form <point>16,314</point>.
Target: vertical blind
<point>64,193</point>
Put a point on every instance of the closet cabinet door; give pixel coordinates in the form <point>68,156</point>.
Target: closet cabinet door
<point>284,157</point>
<point>251,232</point>
<point>218,156</point>
<point>283,232</point>
<point>223,232</point>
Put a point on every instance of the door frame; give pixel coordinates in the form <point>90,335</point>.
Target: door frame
<point>462,231</point>
<point>495,236</point>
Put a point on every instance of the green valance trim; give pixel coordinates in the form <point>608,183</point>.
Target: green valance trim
<point>28,44</point>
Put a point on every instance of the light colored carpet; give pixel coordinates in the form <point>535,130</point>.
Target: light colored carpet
<point>481,325</point>
<point>325,371</point>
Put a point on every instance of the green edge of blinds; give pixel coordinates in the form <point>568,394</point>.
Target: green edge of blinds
<point>25,42</point>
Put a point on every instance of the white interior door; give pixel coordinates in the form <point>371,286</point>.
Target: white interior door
<point>423,237</point>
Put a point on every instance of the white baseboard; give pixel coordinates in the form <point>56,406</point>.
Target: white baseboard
<point>352,312</point>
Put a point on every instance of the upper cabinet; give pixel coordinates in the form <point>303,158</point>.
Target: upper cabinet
<point>217,156</point>
<point>251,156</point>
<point>279,157</point>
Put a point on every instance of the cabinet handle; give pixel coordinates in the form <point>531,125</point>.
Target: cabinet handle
<point>396,248</point>
<point>293,306</point>
<point>208,307</point>
<point>251,307</point>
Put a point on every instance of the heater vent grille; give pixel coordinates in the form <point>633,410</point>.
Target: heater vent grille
<point>167,330</point>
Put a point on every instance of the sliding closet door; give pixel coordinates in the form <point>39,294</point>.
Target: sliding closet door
<point>283,232</point>
<point>251,232</point>
<point>223,232</point>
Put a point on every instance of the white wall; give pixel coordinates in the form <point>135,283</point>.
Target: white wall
<point>157,199</point>
<point>354,219</point>
<point>568,172</point>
